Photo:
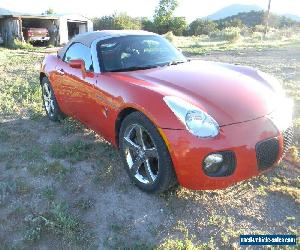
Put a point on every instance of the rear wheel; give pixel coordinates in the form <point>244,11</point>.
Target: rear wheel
<point>145,155</point>
<point>50,104</point>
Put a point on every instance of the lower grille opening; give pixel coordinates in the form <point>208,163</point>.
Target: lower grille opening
<point>267,153</point>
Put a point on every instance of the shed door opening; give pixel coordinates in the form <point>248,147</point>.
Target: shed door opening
<point>75,28</point>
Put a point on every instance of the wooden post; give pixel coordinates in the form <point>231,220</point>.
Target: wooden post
<point>20,30</point>
<point>268,16</point>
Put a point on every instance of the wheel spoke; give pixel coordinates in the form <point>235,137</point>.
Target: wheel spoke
<point>47,106</point>
<point>151,152</point>
<point>149,173</point>
<point>139,136</point>
<point>136,165</point>
<point>47,90</point>
<point>130,144</point>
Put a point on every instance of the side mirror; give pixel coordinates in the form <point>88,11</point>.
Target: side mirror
<point>77,64</point>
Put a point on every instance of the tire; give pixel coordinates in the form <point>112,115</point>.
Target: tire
<point>150,153</point>
<point>49,101</point>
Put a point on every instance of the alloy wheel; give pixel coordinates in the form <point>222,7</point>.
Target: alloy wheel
<point>141,154</point>
<point>48,99</point>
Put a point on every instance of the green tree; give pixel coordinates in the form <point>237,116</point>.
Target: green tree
<point>119,21</point>
<point>164,15</point>
<point>49,11</point>
<point>178,26</point>
<point>103,23</point>
<point>202,27</point>
<point>124,21</point>
<point>147,24</point>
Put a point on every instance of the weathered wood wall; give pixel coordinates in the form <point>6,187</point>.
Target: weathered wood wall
<point>11,30</point>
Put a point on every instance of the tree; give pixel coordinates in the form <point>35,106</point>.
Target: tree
<point>49,12</point>
<point>178,26</point>
<point>147,24</point>
<point>164,15</point>
<point>202,27</point>
<point>119,21</point>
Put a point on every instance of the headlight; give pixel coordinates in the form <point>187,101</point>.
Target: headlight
<point>198,122</point>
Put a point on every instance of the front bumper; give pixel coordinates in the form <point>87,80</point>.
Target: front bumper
<point>188,152</point>
<point>39,39</point>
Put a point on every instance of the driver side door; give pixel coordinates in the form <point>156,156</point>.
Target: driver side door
<point>77,85</point>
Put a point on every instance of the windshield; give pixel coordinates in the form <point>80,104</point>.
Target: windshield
<point>136,53</point>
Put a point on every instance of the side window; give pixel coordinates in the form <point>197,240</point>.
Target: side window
<point>79,51</point>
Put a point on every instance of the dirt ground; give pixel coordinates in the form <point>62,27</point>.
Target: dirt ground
<point>64,187</point>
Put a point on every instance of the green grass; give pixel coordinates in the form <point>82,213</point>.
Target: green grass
<point>19,82</point>
<point>18,186</point>
<point>54,168</point>
<point>49,193</point>
<point>71,126</point>
<point>80,150</point>
<point>199,45</point>
<point>59,222</point>
<point>74,151</point>
<point>85,203</point>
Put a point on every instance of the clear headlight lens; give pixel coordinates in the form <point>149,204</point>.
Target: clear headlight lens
<point>198,122</point>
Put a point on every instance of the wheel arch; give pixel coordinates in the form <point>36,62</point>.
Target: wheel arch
<point>127,111</point>
<point>121,116</point>
<point>42,75</point>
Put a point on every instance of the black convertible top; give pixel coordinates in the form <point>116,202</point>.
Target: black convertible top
<point>88,38</point>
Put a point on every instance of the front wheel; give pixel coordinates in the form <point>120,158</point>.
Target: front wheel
<point>145,155</point>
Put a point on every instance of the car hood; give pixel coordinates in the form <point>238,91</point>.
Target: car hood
<point>229,93</point>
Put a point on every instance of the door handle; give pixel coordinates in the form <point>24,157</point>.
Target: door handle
<point>61,71</point>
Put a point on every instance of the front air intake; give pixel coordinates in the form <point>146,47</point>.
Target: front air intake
<point>267,153</point>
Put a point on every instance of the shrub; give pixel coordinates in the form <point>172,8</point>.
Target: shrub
<point>202,27</point>
<point>259,28</point>
<point>257,35</point>
<point>169,36</point>
<point>119,21</point>
<point>231,34</point>
<point>22,45</point>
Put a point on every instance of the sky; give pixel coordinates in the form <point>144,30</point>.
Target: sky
<point>191,9</point>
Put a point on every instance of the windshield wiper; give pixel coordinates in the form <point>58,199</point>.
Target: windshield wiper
<point>175,62</point>
<point>134,68</point>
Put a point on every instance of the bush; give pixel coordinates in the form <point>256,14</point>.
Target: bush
<point>257,35</point>
<point>202,27</point>
<point>22,45</point>
<point>231,34</point>
<point>259,28</point>
<point>119,21</point>
<point>169,36</point>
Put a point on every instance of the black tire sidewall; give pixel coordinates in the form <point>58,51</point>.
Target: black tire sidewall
<point>166,175</point>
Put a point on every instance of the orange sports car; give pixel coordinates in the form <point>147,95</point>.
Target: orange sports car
<point>203,124</point>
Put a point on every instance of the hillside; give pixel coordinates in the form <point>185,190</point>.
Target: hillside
<point>252,18</point>
<point>231,10</point>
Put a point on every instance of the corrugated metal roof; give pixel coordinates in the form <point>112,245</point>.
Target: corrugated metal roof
<point>5,12</point>
<point>8,13</point>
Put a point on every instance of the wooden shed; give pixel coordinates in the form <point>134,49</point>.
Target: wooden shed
<point>68,25</point>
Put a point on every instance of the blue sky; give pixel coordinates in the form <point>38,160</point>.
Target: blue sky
<point>188,8</point>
